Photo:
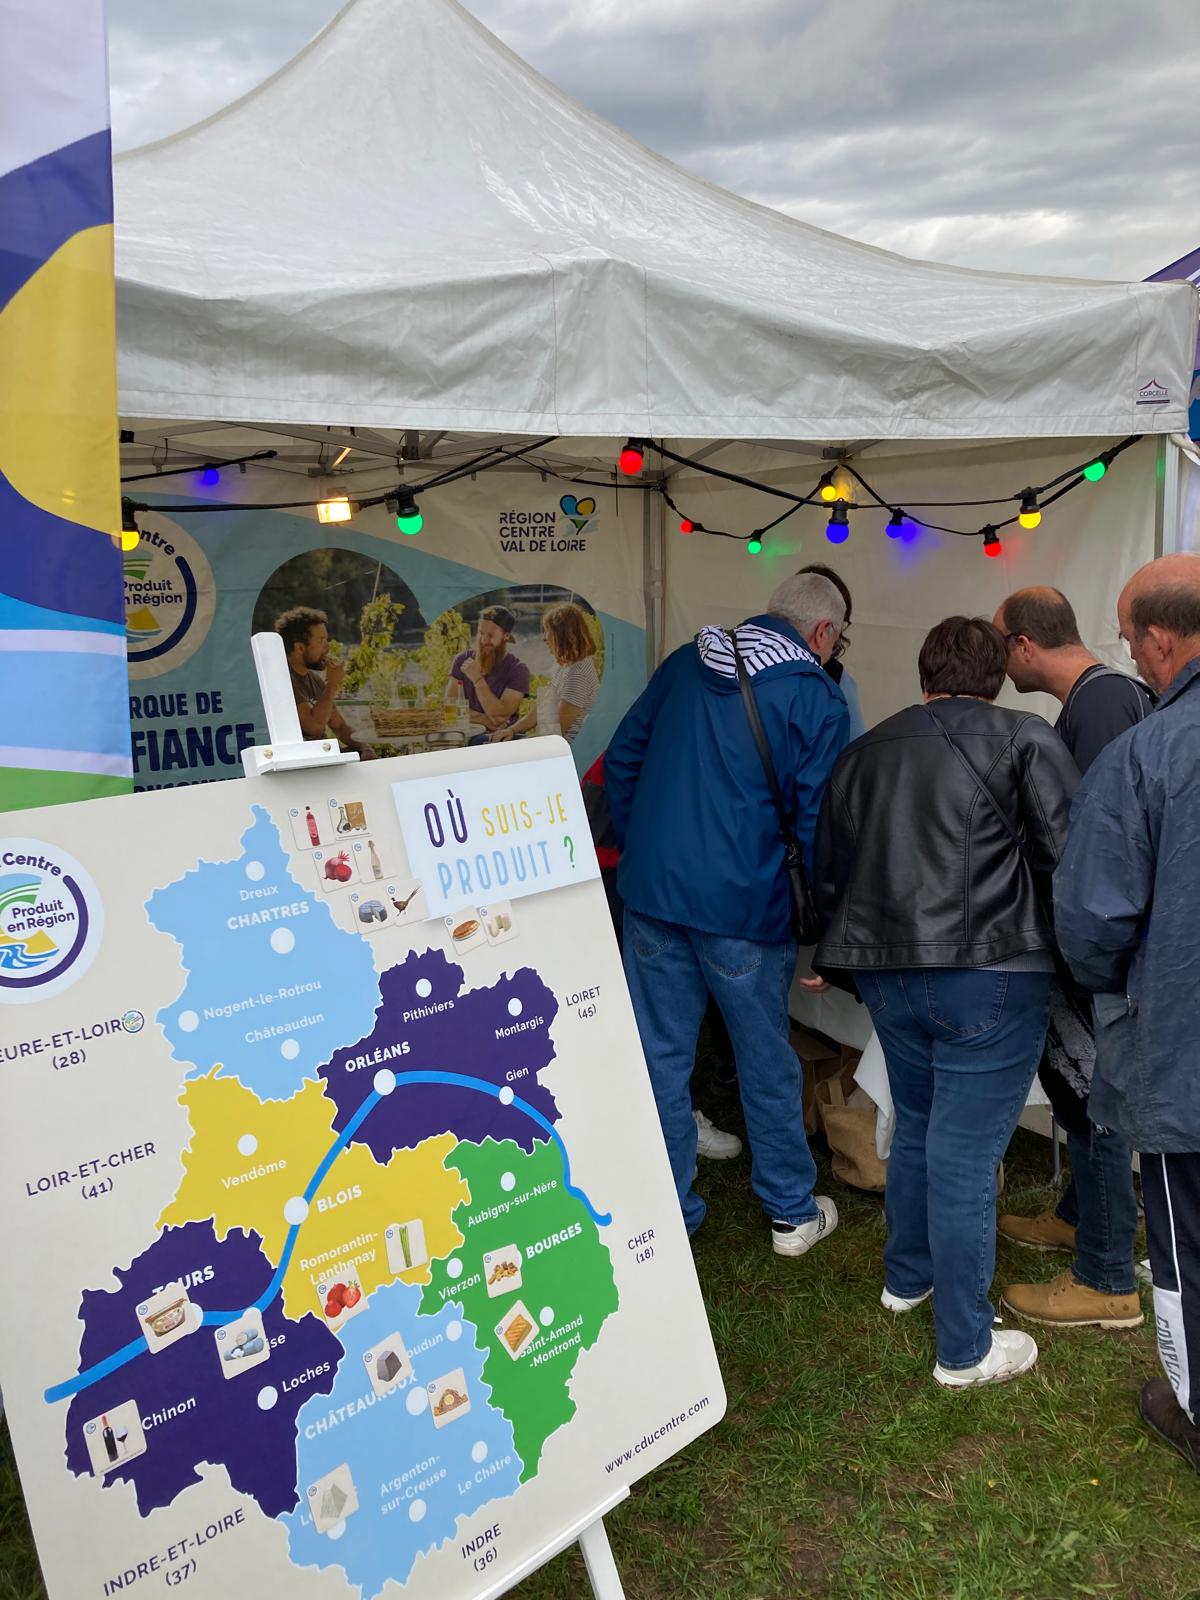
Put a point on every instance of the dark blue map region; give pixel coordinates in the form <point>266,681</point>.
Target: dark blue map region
<point>190,1411</point>
<point>427,1022</point>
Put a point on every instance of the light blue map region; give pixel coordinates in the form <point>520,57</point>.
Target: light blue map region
<point>386,1478</point>
<point>274,986</point>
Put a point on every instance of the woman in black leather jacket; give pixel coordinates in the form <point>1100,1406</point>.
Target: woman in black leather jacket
<point>937,840</point>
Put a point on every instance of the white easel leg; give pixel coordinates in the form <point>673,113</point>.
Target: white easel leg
<point>598,1559</point>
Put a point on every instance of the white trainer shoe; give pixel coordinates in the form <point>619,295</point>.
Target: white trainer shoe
<point>797,1239</point>
<point>897,1302</point>
<point>1012,1353</point>
<point>714,1142</point>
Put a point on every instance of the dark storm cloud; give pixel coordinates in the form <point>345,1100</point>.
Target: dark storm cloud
<point>1032,135</point>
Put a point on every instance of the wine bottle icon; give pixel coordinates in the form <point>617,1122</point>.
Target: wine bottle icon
<point>109,1437</point>
<point>310,823</point>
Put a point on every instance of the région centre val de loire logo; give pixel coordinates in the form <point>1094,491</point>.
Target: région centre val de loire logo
<point>51,920</point>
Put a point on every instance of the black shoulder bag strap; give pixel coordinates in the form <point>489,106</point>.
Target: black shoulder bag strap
<point>805,922</point>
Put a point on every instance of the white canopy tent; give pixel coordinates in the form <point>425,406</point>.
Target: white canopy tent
<point>409,245</point>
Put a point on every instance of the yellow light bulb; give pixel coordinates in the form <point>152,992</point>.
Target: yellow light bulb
<point>830,492</point>
<point>130,539</point>
<point>1029,519</point>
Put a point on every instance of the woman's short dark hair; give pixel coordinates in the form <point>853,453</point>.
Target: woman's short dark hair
<point>963,655</point>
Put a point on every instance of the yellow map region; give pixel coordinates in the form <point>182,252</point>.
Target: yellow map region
<point>248,1158</point>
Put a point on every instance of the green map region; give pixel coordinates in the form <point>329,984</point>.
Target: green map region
<point>533,1277</point>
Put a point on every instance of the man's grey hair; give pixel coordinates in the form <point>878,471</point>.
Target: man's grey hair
<point>805,599</point>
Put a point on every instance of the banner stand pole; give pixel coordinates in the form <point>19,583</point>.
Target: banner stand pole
<point>588,1532</point>
<point>288,750</point>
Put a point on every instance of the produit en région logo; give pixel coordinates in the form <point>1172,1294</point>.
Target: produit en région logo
<point>51,920</point>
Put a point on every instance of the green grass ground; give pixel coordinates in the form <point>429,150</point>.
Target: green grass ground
<point>841,1472</point>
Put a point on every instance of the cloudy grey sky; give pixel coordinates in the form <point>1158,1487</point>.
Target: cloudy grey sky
<point>1057,136</point>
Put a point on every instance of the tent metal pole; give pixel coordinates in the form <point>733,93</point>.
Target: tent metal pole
<point>1166,497</point>
<point>653,514</point>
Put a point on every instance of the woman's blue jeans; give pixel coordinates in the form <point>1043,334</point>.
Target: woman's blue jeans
<point>962,1046</point>
<point>671,972</point>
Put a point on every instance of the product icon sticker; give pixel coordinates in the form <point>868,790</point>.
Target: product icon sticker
<point>311,826</point>
<point>334,868</point>
<point>114,1437</point>
<point>502,1270</point>
<point>341,1297</point>
<point>371,909</point>
<point>408,900</point>
<point>498,922</point>
<point>388,1364</point>
<point>332,1499</point>
<point>242,1344</point>
<point>448,1398</point>
<point>517,1330</point>
<point>349,817</point>
<point>466,929</point>
<point>369,860</point>
<point>405,1246</point>
<point>167,1317</point>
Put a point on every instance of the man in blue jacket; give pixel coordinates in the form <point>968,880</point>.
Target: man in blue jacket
<point>1125,898</point>
<point>707,904</point>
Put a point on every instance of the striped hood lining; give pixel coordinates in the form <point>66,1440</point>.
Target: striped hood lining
<point>760,648</point>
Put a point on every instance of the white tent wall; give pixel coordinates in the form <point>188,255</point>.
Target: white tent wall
<point>1087,545</point>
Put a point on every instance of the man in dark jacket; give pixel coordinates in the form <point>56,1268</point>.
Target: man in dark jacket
<point>703,881</point>
<point>1096,1218</point>
<point>1125,912</point>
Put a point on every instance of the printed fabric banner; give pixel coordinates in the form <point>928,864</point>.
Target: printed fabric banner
<point>508,617</point>
<point>64,730</point>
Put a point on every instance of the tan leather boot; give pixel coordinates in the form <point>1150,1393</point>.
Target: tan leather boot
<point>1043,1232</point>
<point>1066,1303</point>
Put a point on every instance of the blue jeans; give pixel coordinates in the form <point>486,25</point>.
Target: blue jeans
<point>962,1046</point>
<point>1098,1202</point>
<point>671,972</point>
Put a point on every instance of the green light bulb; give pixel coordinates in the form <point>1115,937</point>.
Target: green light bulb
<point>754,546</point>
<point>1094,471</point>
<point>411,524</point>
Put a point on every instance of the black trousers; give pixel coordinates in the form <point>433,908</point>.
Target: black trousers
<point>1171,1194</point>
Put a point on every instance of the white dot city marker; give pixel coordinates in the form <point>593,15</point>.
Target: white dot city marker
<point>416,1511</point>
<point>188,1021</point>
<point>247,1145</point>
<point>454,1268</point>
<point>515,1007</point>
<point>417,1401</point>
<point>424,988</point>
<point>283,940</point>
<point>479,1451</point>
<point>255,871</point>
<point>267,1397</point>
<point>546,1316</point>
<point>454,1331</point>
<point>506,1095</point>
<point>385,1081</point>
<point>295,1210</point>
<point>507,1182</point>
<point>290,1049</point>
<point>337,1530</point>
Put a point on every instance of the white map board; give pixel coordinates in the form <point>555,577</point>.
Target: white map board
<point>350,1260</point>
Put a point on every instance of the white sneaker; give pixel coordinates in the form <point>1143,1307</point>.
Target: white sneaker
<point>715,1143</point>
<point>897,1302</point>
<point>1012,1353</point>
<point>797,1239</point>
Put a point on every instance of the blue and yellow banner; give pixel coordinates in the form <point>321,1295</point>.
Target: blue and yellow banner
<point>64,715</point>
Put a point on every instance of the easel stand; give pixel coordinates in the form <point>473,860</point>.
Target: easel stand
<point>289,751</point>
<point>592,1539</point>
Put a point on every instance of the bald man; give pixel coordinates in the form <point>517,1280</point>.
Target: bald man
<point>1126,895</point>
<point>1096,1219</point>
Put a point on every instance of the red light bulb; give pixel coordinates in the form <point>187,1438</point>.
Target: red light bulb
<point>631,460</point>
<point>991,544</point>
<point>687,525</point>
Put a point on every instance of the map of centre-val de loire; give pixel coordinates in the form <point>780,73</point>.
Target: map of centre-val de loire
<point>368,1297</point>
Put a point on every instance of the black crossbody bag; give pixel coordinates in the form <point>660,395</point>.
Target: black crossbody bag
<point>806,924</point>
